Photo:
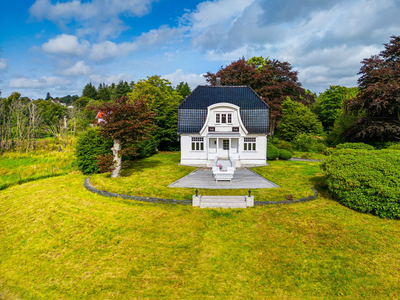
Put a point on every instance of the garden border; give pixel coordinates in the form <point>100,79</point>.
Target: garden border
<point>92,189</point>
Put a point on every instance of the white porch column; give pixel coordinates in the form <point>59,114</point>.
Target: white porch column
<point>230,147</point>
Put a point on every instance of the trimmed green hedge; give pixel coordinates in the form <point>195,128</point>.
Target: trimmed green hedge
<point>366,181</point>
<point>284,154</point>
<point>354,146</point>
<point>272,152</point>
<point>88,147</point>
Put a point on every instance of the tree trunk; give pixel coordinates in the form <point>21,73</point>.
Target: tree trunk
<point>117,159</point>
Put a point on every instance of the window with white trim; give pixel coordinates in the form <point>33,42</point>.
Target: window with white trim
<point>225,144</point>
<point>197,144</point>
<point>217,118</point>
<point>249,144</point>
<point>229,118</point>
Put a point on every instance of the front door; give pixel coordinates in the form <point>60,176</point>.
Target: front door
<point>223,149</point>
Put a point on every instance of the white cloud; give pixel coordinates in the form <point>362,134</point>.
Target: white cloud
<point>111,78</point>
<point>43,82</point>
<point>3,63</point>
<point>100,17</point>
<point>78,69</point>
<point>66,44</point>
<point>192,79</point>
<point>109,49</point>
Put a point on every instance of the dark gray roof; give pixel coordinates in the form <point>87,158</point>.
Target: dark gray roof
<point>254,111</point>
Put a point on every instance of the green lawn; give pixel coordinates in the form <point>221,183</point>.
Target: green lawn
<point>59,241</point>
<point>150,177</point>
<point>18,168</point>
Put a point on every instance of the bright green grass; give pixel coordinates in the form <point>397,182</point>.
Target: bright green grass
<point>59,241</point>
<point>18,168</point>
<point>309,155</point>
<point>150,177</point>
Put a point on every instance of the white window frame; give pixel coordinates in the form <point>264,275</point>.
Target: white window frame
<point>225,145</point>
<point>218,118</point>
<point>197,143</point>
<point>249,144</point>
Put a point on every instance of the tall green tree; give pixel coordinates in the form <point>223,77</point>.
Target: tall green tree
<point>89,91</point>
<point>104,93</point>
<point>296,119</point>
<point>121,89</point>
<point>379,97</point>
<point>163,100</point>
<point>271,79</point>
<point>183,89</point>
<point>329,104</point>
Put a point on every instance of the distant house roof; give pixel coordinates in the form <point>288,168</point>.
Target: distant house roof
<point>254,111</point>
<point>100,115</point>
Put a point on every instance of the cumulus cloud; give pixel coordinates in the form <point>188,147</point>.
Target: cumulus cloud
<point>109,78</point>
<point>192,79</point>
<point>78,69</point>
<point>3,63</point>
<point>109,49</point>
<point>100,17</point>
<point>66,44</point>
<point>43,82</point>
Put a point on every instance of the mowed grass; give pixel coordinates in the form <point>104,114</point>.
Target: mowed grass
<point>151,176</point>
<point>59,241</point>
<point>16,168</point>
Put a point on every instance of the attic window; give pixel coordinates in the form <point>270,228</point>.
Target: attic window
<point>217,118</point>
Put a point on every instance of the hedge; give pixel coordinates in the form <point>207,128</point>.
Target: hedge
<point>354,146</point>
<point>367,181</point>
<point>272,152</point>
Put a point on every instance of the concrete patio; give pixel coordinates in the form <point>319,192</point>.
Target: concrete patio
<point>243,178</point>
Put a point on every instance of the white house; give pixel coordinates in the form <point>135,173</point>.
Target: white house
<point>224,121</point>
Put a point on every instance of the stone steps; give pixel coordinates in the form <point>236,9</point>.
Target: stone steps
<point>223,201</point>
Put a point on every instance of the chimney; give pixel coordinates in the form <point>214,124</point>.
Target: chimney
<point>218,83</point>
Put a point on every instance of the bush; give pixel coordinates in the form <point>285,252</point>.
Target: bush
<point>304,142</point>
<point>272,152</point>
<point>318,147</point>
<point>285,145</point>
<point>89,146</point>
<point>394,147</point>
<point>328,151</point>
<point>284,154</point>
<point>365,180</point>
<point>354,146</point>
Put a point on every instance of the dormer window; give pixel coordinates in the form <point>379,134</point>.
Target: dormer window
<point>223,118</point>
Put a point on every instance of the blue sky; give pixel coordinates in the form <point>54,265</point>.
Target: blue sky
<point>60,46</point>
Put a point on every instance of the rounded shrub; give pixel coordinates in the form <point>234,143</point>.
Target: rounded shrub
<point>272,152</point>
<point>365,180</point>
<point>284,154</point>
<point>328,151</point>
<point>90,145</point>
<point>318,147</point>
<point>394,147</point>
<point>354,146</point>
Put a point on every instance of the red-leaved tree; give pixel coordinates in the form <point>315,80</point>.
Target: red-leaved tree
<point>379,99</point>
<point>271,79</point>
<point>127,122</point>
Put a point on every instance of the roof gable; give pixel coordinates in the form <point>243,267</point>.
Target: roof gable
<point>192,112</point>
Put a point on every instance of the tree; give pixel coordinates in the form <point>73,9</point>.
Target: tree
<point>122,89</point>
<point>163,101</point>
<point>89,91</point>
<point>297,118</point>
<point>103,93</point>
<point>271,79</point>
<point>330,103</point>
<point>127,123</point>
<point>48,97</point>
<point>183,89</point>
<point>379,97</point>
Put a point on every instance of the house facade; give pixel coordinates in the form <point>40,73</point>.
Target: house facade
<point>224,122</point>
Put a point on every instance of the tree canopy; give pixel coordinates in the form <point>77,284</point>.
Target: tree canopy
<point>89,91</point>
<point>379,97</point>
<point>297,118</point>
<point>163,101</point>
<point>271,79</point>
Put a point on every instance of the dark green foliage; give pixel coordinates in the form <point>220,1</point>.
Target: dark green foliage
<point>297,118</point>
<point>183,89</point>
<point>272,152</point>
<point>51,112</point>
<point>89,91</point>
<point>284,145</point>
<point>103,93</point>
<point>284,154</point>
<point>318,147</point>
<point>366,181</point>
<point>68,100</point>
<point>354,146</point>
<point>122,89</point>
<point>330,103</point>
<point>89,146</point>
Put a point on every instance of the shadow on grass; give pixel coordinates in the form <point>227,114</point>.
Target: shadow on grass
<point>139,166</point>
